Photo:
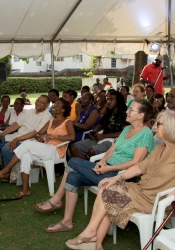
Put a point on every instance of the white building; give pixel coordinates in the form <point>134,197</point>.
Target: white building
<point>43,63</point>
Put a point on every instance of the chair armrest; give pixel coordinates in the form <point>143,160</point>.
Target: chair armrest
<point>107,139</point>
<point>96,157</point>
<point>85,133</point>
<point>62,144</point>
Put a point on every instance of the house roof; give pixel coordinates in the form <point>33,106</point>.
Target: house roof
<point>89,26</point>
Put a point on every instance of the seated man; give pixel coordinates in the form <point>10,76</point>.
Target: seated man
<point>27,125</point>
<point>113,121</point>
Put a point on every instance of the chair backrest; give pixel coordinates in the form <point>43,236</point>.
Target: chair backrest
<point>160,194</point>
<point>161,209</point>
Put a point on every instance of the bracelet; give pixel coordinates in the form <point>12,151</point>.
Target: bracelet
<point>121,176</point>
<point>37,136</point>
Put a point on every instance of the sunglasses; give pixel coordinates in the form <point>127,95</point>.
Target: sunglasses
<point>159,123</point>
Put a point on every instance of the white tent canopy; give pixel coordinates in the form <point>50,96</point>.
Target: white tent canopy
<point>94,27</point>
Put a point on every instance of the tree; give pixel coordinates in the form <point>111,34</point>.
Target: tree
<point>92,64</point>
<point>6,60</point>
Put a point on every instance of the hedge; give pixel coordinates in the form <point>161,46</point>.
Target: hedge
<point>15,85</point>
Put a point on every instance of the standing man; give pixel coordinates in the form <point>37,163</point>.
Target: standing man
<point>153,74</point>
<point>98,84</point>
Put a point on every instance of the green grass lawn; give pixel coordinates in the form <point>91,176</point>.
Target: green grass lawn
<point>23,227</point>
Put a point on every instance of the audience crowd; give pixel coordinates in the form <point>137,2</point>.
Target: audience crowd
<point>126,128</point>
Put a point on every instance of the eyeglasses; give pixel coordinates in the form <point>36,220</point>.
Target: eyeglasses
<point>132,110</point>
<point>158,100</point>
<point>159,123</point>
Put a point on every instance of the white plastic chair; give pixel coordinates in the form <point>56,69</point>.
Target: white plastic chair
<point>49,167</point>
<point>145,222</point>
<point>166,238</point>
<point>88,131</point>
<point>94,189</point>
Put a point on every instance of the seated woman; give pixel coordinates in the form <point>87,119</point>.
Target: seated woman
<point>24,97</point>
<point>158,101</point>
<point>89,116</point>
<point>101,102</point>
<point>149,91</point>
<point>117,200</point>
<point>59,129</point>
<point>125,93</point>
<point>84,90</point>
<point>131,147</point>
<point>16,112</point>
<point>70,96</point>
<point>4,110</point>
<point>138,93</point>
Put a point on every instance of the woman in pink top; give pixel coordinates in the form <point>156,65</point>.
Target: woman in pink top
<point>59,129</point>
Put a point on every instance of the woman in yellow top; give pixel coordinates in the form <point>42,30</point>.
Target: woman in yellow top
<point>59,129</point>
<point>70,96</point>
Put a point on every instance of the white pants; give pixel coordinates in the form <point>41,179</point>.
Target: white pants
<point>30,151</point>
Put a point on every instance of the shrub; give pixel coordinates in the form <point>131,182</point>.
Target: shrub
<point>15,85</point>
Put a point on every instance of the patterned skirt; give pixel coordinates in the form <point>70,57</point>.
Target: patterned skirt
<point>118,204</point>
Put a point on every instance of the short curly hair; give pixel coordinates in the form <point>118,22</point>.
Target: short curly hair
<point>66,107</point>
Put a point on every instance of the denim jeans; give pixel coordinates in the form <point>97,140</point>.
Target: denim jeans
<point>2,143</point>
<point>84,175</point>
<point>7,154</point>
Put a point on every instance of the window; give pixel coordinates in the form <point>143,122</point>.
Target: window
<point>77,58</point>
<point>40,59</point>
<point>16,59</point>
<point>38,63</point>
<point>58,59</point>
<point>113,63</point>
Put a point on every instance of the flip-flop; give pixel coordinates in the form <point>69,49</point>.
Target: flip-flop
<point>63,228</point>
<point>21,195</point>
<point>52,207</point>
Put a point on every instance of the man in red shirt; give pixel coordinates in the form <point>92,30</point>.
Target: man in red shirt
<point>153,74</point>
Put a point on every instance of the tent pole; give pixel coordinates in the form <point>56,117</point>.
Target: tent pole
<point>52,63</point>
<point>169,43</point>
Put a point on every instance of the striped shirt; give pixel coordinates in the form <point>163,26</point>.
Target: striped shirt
<point>124,149</point>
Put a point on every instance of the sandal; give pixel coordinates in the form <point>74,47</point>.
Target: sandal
<point>5,180</point>
<point>20,195</point>
<point>52,206</point>
<point>2,176</point>
<point>63,228</point>
<point>86,244</point>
